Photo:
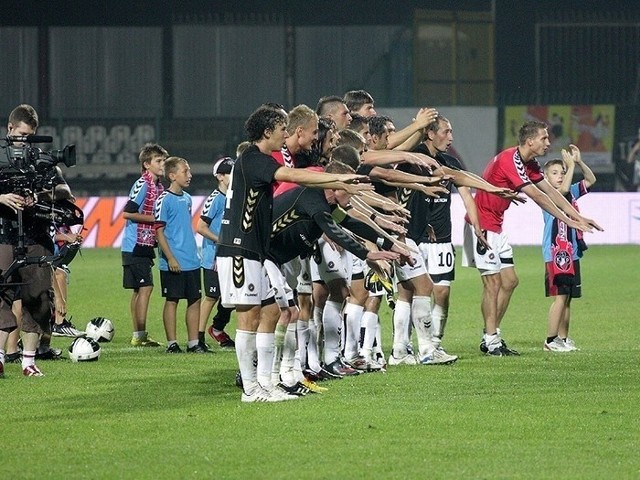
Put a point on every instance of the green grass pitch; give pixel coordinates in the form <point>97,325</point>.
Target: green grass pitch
<point>144,414</point>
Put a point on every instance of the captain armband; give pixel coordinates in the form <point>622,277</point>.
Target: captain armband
<point>384,243</point>
<point>339,214</point>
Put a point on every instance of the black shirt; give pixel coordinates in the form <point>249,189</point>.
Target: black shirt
<point>301,215</point>
<point>36,223</point>
<point>379,186</point>
<point>429,211</point>
<point>246,223</point>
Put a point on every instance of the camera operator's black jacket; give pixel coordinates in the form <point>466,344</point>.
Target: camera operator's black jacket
<point>38,229</point>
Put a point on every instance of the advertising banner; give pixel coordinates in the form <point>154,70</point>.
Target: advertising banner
<point>589,127</point>
<point>617,213</point>
<point>475,132</point>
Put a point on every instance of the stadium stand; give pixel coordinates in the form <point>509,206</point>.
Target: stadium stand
<point>107,150</point>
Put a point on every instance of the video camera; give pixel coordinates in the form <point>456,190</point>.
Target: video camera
<point>25,168</point>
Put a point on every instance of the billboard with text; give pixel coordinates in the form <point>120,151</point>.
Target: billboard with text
<point>617,213</point>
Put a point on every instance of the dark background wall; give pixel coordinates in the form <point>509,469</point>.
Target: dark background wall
<point>515,23</point>
<point>607,73</point>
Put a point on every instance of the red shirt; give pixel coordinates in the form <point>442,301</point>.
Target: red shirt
<point>284,158</point>
<point>505,170</point>
<point>286,186</point>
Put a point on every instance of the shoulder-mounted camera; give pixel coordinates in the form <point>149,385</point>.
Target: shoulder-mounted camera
<point>24,167</point>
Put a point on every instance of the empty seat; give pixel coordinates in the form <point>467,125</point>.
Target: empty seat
<point>115,173</point>
<point>144,133</point>
<point>94,137</point>
<point>119,137</point>
<point>72,134</point>
<point>127,158</point>
<point>101,158</point>
<point>81,158</point>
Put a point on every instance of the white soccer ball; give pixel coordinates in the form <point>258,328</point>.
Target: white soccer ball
<point>100,329</point>
<point>84,350</point>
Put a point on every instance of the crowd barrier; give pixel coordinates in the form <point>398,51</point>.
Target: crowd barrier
<point>617,213</point>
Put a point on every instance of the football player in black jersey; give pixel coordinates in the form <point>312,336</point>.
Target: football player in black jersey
<point>245,234</point>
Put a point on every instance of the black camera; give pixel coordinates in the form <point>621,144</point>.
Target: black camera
<point>25,167</point>
<point>23,158</point>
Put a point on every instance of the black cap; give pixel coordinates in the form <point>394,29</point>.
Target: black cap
<point>223,166</point>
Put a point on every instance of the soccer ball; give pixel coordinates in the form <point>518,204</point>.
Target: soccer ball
<point>100,329</point>
<point>84,350</point>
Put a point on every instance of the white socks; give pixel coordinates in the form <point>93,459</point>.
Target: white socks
<point>265,346</point>
<point>289,355</point>
<point>370,321</point>
<point>401,319</point>
<point>421,316</point>
<point>331,321</point>
<point>352,313</point>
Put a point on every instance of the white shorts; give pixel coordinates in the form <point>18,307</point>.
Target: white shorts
<point>440,260</point>
<point>242,281</point>
<point>298,275</point>
<point>284,293</point>
<point>487,261</point>
<point>406,271</point>
<point>358,266</point>
<point>333,264</point>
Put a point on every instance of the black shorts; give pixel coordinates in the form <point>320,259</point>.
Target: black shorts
<point>181,285</point>
<point>139,274</point>
<point>211,283</point>
<point>552,290</point>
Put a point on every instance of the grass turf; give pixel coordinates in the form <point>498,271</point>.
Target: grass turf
<point>140,413</point>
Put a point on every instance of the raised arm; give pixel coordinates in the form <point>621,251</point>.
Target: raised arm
<point>410,143</point>
<point>587,173</point>
<point>435,191</point>
<point>423,118</point>
<point>633,152</point>
<point>342,237</point>
<point>568,157</point>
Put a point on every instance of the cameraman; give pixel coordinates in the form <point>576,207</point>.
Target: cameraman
<point>35,280</point>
